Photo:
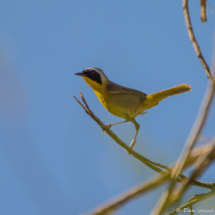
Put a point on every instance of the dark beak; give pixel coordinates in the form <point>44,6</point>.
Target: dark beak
<point>79,74</point>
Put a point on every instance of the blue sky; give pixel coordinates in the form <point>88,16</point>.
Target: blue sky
<point>53,157</point>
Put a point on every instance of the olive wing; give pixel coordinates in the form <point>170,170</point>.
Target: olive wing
<point>125,97</point>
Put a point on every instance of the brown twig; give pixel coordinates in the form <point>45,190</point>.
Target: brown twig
<point>194,41</point>
<point>119,141</point>
<point>201,165</point>
<point>204,162</point>
<point>206,103</point>
<point>164,201</point>
<point>131,194</point>
<point>203,4</point>
<point>151,164</point>
<point>198,125</point>
<point>193,201</point>
<point>191,210</point>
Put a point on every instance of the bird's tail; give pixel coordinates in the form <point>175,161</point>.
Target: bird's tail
<point>155,98</point>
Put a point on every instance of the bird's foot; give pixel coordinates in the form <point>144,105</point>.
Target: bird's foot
<point>105,129</point>
<point>131,145</point>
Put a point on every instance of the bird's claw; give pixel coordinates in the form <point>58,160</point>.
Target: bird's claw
<point>131,145</point>
<point>105,130</point>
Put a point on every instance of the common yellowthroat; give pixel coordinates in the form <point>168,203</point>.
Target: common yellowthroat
<point>122,101</point>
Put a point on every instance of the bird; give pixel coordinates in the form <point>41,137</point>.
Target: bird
<point>125,102</point>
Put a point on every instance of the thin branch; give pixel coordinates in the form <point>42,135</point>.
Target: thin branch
<point>131,194</point>
<point>203,4</point>
<point>193,201</point>
<point>151,164</point>
<point>202,164</point>
<point>191,210</point>
<point>135,192</point>
<point>197,127</point>
<point>165,200</point>
<point>194,41</point>
<point>119,141</point>
<point>206,103</point>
